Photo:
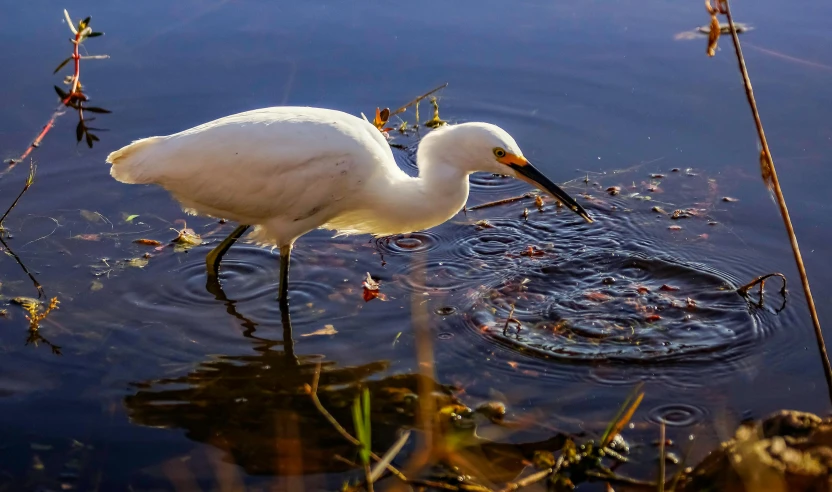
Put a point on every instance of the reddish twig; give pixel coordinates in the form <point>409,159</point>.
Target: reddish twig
<point>72,99</point>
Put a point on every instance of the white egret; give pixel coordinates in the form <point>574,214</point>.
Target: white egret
<point>289,170</point>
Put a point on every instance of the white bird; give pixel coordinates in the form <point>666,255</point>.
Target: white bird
<point>289,170</point>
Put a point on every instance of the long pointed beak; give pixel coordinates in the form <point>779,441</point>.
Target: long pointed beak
<point>529,173</point>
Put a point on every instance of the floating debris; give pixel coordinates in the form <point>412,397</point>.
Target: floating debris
<point>148,242</point>
<point>326,330</point>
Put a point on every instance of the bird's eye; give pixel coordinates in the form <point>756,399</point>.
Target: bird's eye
<point>499,152</point>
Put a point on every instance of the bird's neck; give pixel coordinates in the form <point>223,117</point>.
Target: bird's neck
<point>436,195</point>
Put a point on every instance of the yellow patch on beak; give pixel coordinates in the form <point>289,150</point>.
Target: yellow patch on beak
<point>511,159</point>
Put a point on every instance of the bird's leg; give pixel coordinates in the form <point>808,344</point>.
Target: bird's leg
<point>283,296</point>
<point>212,261</point>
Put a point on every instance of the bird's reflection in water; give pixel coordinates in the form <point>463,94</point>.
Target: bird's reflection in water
<point>256,409</point>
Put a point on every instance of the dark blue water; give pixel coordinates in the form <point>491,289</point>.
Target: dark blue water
<point>157,380</point>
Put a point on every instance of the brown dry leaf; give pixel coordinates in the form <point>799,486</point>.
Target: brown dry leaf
<point>187,236</point>
<point>326,330</point>
<point>614,190</point>
<point>532,251</point>
<point>513,364</point>
<point>652,317</point>
<point>713,34</point>
<point>642,289</point>
<point>371,289</point>
<point>538,202</point>
<point>597,296</point>
<point>675,228</point>
<point>148,242</point>
<point>765,170</point>
<point>730,199</point>
<point>668,288</point>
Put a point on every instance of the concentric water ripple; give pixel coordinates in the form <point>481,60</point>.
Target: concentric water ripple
<point>249,276</point>
<point>677,414</point>
<point>615,306</point>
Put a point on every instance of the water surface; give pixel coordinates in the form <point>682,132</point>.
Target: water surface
<point>155,369</point>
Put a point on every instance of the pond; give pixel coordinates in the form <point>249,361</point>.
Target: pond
<point>163,382</point>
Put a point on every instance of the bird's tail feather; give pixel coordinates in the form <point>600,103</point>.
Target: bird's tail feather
<point>131,164</point>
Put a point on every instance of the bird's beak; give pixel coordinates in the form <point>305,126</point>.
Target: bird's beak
<point>530,174</point>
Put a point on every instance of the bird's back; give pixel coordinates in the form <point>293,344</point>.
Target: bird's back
<point>290,162</point>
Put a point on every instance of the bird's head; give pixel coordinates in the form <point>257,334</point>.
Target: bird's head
<point>485,147</point>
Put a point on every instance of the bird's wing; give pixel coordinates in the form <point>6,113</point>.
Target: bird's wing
<point>257,165</point>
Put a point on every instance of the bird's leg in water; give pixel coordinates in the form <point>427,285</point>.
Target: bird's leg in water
<point>283,296</point>
<point>212,261</point>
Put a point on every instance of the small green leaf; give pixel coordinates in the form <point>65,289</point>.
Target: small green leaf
<point>79,130</point>
<point>62,65</point>
<point>93,109</point>
<point>130,218</point>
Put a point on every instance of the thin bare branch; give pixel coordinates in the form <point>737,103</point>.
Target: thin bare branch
<point>781,201</point>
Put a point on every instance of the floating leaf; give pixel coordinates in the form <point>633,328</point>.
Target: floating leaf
<point>371,289</point>
<point>148,242</point>
<point>668,288</point>
<point>96,285</point>
<point>729,199</point>
<point>130,218</point>
<point>597,296</point>
<point>188,236</point>
<point>483,224</point>
<point>87,237</point>
<point>137,262</point>
<point>91,216</point>
<point>62,65</point>
<point>614,190</point>
<point>532,251</point>
<point>326,330</point>
<point>675,228</point>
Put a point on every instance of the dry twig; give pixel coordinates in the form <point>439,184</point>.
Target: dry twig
<point>771,181</point>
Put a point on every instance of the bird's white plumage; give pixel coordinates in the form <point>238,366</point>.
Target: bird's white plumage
<point>288,170</point>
